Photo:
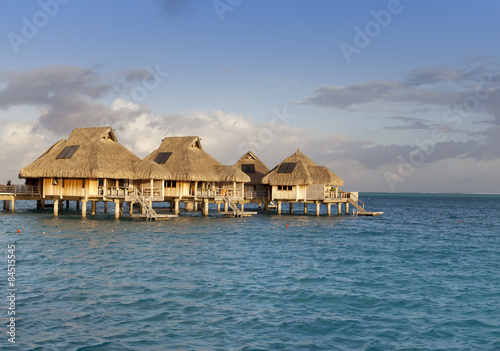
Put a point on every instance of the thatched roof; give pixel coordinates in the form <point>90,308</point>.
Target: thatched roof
<point>97,154</point>
<point>257,172</point>
<point>189,162</point>
<point>305,172</point>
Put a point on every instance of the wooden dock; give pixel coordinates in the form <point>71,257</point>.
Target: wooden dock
<point>157,217</point>
<point>365,213</point>
<point>239,214</point>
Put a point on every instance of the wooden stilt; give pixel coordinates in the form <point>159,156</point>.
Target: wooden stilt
<point>77,205</point>
<point>318,208</point>
<point>305,208</point>
<point>291,207</point>
<point>105,207</point>
<point>84,208</point>
<point>43,204</point>
<point>328,209</point>
<point>13,206</point>
<point>205,207</point>
<point>56,208</point>
<point>339,208</point>
<point>279,207</point>
<point>218,207</point>
<point>67,204</point>
<point>93,206</point>
<point>131,209</point>
<point>346,208</point>
<point>38,204</point>
<point>117,209</point>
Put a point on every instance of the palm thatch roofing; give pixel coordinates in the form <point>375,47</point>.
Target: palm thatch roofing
<point>305,172</point>
<point>257,169</point>
<point>185,160</point>
<point>94,153</point>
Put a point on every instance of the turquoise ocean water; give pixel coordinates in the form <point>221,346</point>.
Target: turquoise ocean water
<point>415,278</point>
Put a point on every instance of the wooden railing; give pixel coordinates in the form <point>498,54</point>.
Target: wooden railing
<point>20,189</point>
<point>249,195</point>
<point>128,191</point>
<point>215,192</point>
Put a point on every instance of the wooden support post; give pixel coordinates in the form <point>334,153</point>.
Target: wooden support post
<point>205,207</point>
<point>266,207</point>
<point>43,204</point>
<point>260,205</point>
<point>77,205</point>
<point>346,208</point>
<point>339,208</point>
<point>242,207</point>
<point>93,206</point>
<point>67,204</point>
<point>291,207</point>
<point>189,206</point>
<point>56,208</point>
<point>279,207</point>
<point>38,204</point>
<point>121,208</point>
<point>13,206</point>
<point>218,207</point>
<point>176,207</point>
<point>305,207</point>
<point>329,209</point>
<point>105,207</point>
<point>131,209</point>
<point>117,209</point>
<point>4,205</point>
<point>84,208</point>
<point>318,208</point>
<point>172,204</point>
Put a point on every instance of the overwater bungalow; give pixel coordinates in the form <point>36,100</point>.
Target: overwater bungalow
<point>91,165</point>
<point>195,176</point>
<point>256,170</point>
<point>298,179</point>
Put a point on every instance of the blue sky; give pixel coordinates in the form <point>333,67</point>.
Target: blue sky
<point>266,75</point>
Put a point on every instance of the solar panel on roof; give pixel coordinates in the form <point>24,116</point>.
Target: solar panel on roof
<point>287,167</point>
<point>162,157</point>
<point>68,152</point>
<point>248,168</point>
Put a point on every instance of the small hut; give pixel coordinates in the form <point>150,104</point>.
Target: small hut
<point>256,170</point>
<point>298,178</point>
<point>91,165</point>
<point>193,172</point>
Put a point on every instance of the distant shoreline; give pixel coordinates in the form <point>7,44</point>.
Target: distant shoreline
<point>364,193</point>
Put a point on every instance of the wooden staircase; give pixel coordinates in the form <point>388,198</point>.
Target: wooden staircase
<point>353,200</point>
<point>228,201</point>
<point>141,199</point>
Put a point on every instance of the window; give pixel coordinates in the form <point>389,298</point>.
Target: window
<point>162,157</point>
<point>170,184</point>
<point>100,182</point>
<point>67,152</point>
<point>287,167</point>
<point>248,168</point>
<point>284,187</point>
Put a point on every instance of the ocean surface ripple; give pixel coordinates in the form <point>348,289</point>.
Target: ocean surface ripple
<point>415,278</point>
